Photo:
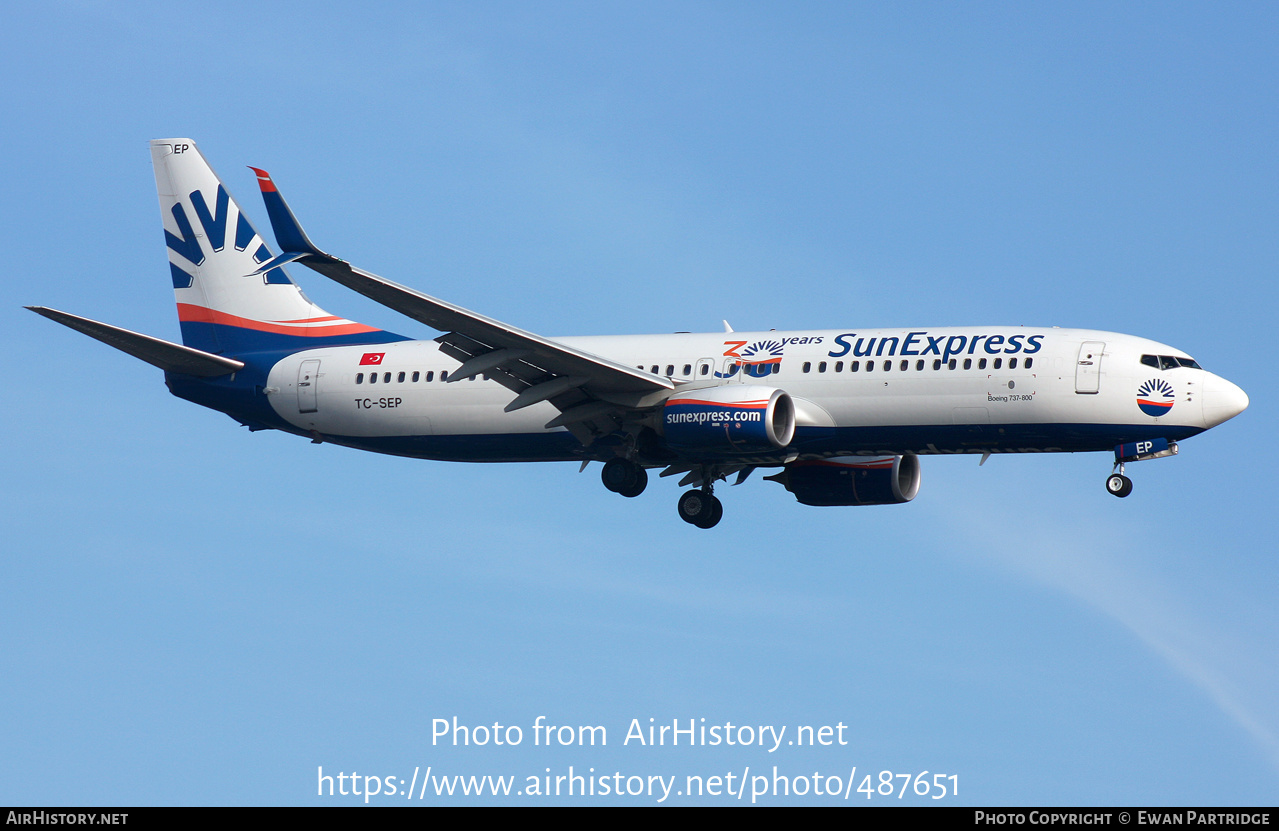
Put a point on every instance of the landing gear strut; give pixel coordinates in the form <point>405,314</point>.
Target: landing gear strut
<point>1118,484</point>
<point>624,476</point>
<point>700,508</point>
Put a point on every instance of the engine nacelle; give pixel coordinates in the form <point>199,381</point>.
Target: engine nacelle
<point>852,480</point>
<point>729,419</point>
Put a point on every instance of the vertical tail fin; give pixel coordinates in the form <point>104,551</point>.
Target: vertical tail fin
<point>226,303</point>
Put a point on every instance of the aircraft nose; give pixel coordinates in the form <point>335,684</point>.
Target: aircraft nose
<point>1222,400</point>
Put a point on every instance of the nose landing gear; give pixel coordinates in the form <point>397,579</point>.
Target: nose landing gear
<point>1136,451</point>
<point>1117,484</point>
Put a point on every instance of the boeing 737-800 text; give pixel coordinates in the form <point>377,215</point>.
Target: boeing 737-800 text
<point>841,415</point>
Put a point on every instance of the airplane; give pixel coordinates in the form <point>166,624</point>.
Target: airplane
<point>841,415</point>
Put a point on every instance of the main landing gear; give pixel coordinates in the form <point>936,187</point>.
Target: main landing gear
<point>624,476</point>
<point>700,508</point>
<point>1118,484</point>
<point>696,507</point>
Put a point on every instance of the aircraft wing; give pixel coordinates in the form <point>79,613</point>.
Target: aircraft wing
<point>592,392</point>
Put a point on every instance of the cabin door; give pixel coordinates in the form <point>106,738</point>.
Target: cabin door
<point>1088,368</point>
<point>308,374</point>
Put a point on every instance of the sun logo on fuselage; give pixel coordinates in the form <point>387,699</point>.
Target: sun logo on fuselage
<point>757,359</point>
<point>761,352</point>
<point>1155,397</point>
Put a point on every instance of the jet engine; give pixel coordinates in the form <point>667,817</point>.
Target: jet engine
<point>852,480</point>
<point>729,419</point>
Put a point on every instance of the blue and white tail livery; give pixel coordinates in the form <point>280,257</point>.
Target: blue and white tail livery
<point>227,300</point>
<point>839,416</point>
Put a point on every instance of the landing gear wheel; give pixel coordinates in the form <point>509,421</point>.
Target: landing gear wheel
<point>701,509</point>
<point>717,513</point>
<point>1118,484</point>
<point>624,477</point>
<point>637,486</point>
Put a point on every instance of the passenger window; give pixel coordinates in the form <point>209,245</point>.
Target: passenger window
<point>936,364</point>
<point>1029,363</point>
<point>853,366</point>
<point>705,368</point>
<point>1012,363</point>
<point>870,366</point>
<point>919,365</point>
<point>821,367</point>
<point>905,365</point>
<point>653,369</point>
<point>953,363</point>
<point>430,376</point>
<point>359,377</point>
<point>416,375</point>
<point>670,370</point>
<point>981,364</point>
<point>888,365</point>
<point>999,362</point>
<point>968,363</point>
<point>839,366</point>
<point>372,377</point>
<point>400,379</point>
<point>444,374</point>
<point>386,377</point>
<point>688,370</point>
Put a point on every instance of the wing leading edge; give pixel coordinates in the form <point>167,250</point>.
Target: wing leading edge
<point>592,393</point>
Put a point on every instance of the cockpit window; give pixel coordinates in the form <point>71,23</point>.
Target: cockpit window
<point>1169,362</point>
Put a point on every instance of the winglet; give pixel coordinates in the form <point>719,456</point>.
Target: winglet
<point>264,180</point>
<point>288,232</point>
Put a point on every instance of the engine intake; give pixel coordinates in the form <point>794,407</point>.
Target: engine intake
<point>852,480</point>
<point>729,419</point>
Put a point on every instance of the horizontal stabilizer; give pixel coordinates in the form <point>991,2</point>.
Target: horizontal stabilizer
<point>167,356</point>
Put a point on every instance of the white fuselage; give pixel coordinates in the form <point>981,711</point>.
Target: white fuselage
<point>990,389</point>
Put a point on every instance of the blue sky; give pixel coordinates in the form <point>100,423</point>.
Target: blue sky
<point>197,615</point>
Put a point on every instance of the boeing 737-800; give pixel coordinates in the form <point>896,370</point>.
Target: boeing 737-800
<point>841,415</point>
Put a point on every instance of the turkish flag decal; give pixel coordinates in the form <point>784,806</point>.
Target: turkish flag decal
<point>372,358</point>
